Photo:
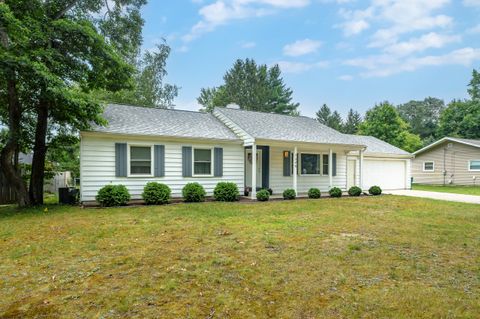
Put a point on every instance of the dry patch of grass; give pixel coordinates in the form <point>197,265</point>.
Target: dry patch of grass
<point>389,257</point>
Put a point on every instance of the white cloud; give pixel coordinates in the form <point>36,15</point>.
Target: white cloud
<point>426,41</point>
<point>248,45</point>
<point>346,77</point>
<point>222,12</point>
<point>386,65</point>
<point>356,21</point>
<point>474,30</point>
<point>301,47</point>
<point>300,67</point>
<point>471,3</point>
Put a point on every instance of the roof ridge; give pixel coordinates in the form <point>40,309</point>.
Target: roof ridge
<point>156,108</point>
<point>270,113</point>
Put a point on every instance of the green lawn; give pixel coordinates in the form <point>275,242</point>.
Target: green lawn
<point>468,190</point>
<point>371,257</point>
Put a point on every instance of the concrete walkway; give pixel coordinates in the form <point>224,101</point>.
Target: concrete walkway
<point>472,199</point>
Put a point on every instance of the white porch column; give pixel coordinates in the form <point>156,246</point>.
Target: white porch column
<point>295,170</point>
<point>361,169</point>
<point>330,168</point>
<point>253,193</point>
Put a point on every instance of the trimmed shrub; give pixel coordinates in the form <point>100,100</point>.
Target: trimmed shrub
<point>335,192</point>
<point>355,191</point>
<point>375,190</point>
<point>289,194</point>
<point>113,195</point>
<point>193,193</point>
<point>226,192</point>
<point>314,193</point>
<point>263,195</point>
<point>156,194</point>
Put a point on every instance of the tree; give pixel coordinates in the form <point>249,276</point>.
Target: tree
<point>474,86</point>
<point>384,122</point>
<point>352,122</point>
<point>461,119</point>
<point>54,53</point>
<point>149,88</point>
<point>422,116</point>
<point>253,87</point>
<point>326,117</point>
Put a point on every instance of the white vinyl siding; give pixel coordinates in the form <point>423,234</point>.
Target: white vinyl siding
<point>98,166</point>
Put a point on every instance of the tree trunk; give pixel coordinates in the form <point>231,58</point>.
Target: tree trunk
<point>11,147</point>
<point>39,153</point>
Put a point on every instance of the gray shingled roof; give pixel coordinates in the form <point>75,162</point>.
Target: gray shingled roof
<point>466,140</point>
<point>374,145</point>
<point>285,128</point>
<point>133,120</point>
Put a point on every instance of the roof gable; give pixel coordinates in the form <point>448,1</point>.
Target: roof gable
<point>470,142</point>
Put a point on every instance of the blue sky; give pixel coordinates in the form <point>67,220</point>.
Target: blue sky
<point>346,53</point>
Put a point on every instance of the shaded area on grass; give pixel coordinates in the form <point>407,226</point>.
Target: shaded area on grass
<point>354,257</point>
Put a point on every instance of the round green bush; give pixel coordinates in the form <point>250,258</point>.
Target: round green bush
<point>289,194</point>
<point>226,192</point>
<point>355,191</point>
<point>375,190</point>
<point>335,192</point>
<point>156,194</point>
<point>193,192</point>
<point>263,195</point>
<point>113,195</point>
<point>314,193</point>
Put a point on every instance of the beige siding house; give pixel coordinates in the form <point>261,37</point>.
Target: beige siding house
<point>448,161</point>
<point>251,149</point>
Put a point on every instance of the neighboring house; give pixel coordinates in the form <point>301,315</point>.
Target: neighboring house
<point>175,147</point>
<point>448,161</point>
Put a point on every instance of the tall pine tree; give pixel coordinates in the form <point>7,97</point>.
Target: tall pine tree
<point>352,122</point>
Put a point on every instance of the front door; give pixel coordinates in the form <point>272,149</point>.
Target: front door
<point>351,169</point>
<point>248,168</point>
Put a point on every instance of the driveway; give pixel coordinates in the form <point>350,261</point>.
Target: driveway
<point>436,195</point>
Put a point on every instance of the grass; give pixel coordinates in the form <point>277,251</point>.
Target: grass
<point>457,189</point>
<point>373,257</point>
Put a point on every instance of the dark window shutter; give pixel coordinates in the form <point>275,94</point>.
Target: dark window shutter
<point>159,158</point>
<point>218,162</point>
<point>121,159</point>
<point>334,164</point>
<point>286,163</point>
<point>187,161</point>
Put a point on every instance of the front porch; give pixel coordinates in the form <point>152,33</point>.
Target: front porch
<point>278,166</point>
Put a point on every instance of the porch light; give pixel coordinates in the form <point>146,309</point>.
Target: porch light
<point>285,154</point>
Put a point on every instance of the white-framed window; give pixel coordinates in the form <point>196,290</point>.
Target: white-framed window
<point>325,164</point>
<point>474,165</point>
<point>310,164</point>
<point>202,162</point>
<point>140,160</point>
<point>429,166</point>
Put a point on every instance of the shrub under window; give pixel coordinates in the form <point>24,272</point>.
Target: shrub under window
<point>314,193</point>
<point>289,194</point>
<point>335,192</point>
<point>226,192</point>
<point>193,192</point>
<point>263,195</point>
<point>156,194</point>
<point>113,195</point>
<point>375,190</point>
<point>355,191</point>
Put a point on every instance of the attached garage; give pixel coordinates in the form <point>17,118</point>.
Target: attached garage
<point>389,174</point>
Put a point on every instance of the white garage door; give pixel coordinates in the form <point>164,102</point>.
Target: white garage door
<point>388,174</point>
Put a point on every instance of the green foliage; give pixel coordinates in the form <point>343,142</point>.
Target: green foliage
<point>253,87</point>
<point>352,123</point>
<point>314,193</point>
<point>384,122</point>
<point>422,116</point>
<point>193,193</point>
<point>64,153</point>
<point>355,191</point>
<point>263,195</point>
<point>326,117</point>
<point>156,193</point>
<point>113,195</point>
<point>226,192</point>
<point>474,86</point>
<point>289,194</point>
<point>461,119</point>
<point>335,192</point>
<point>375,190</point>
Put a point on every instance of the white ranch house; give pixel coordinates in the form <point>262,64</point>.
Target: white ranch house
<point>175,147</point>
